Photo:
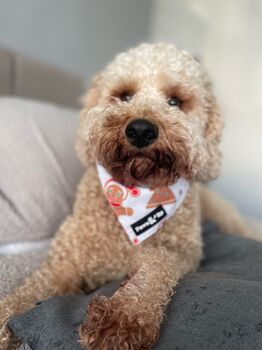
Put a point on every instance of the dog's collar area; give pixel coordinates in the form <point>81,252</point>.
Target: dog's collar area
<point>140,210</point>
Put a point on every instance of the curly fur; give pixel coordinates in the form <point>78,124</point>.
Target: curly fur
<point>90,248</point>
<point>107,315</point>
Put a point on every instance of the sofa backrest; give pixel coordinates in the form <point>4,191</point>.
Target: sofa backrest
<point>26,77</point>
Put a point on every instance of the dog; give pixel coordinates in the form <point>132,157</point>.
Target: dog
<point>150,122</point>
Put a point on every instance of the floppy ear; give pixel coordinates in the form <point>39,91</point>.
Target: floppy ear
<point>212,133</point>
<point>91,97</point>
<point>89,101</point>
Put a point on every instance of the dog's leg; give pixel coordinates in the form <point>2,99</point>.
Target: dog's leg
<point>80,255</point>
<point>73,260</point>
<point>216,208</point>
<point>58,275</point>
<point>131,318</point>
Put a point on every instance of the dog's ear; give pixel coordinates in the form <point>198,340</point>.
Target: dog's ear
<point>89,100</point>
<point>91,97</point>
<point>212,133</point>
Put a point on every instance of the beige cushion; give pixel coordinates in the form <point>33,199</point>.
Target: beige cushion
<point>39,168</point>
<point>26,77</point>
<point>14,268</point>
<point>39,174</point>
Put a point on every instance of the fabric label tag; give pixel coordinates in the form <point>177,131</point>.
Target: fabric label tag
<point>149,221</point>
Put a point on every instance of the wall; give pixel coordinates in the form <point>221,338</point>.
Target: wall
<point>78,35</point>
<point>226,35</point>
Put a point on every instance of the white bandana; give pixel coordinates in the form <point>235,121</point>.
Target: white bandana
<point>141,210</point>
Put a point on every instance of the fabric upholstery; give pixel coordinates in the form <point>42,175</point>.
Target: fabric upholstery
<point>26,77</point>
<point>14,268</point>
<point>39,175</point>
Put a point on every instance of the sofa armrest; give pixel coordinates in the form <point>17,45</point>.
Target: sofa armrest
<point>26,77</point>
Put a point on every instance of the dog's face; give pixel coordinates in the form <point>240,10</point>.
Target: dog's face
<point>151,117</point>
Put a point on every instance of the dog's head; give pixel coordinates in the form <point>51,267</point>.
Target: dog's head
<point>151,117</point>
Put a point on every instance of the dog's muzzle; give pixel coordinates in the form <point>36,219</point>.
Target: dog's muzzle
<point>141,133</point>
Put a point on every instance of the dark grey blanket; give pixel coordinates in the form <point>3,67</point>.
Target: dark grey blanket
<point>218,307</point>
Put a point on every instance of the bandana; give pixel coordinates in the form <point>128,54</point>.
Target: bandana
<point>142,210</point>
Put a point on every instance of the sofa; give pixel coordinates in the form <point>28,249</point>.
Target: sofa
<point>217,307</point>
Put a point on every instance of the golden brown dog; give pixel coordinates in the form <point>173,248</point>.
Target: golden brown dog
<point>171,93</point>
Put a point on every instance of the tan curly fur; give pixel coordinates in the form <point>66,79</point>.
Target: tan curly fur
<point>90,248</point>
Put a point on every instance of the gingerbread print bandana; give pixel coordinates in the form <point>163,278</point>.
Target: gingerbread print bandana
<point>141,210</point>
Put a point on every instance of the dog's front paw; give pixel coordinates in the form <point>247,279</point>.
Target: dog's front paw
<point>7,340</point>
<point>110,326</point>
<point>9,307</point>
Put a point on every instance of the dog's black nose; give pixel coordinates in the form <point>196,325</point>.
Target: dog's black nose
<point>141,133</point>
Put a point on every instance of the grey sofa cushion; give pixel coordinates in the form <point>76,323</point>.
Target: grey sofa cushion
<point>39,175</point>
<point>218,307</point>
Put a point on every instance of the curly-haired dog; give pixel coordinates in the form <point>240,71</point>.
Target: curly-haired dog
<point>150,119</point>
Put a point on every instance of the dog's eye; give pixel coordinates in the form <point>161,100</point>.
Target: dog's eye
<point>125,96</point>
<point>174,101</point>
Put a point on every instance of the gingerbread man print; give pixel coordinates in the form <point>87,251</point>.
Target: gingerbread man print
<point>117,194</point>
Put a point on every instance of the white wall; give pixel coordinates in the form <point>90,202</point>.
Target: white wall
<point>227,36</point>
<point>78,35</point>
